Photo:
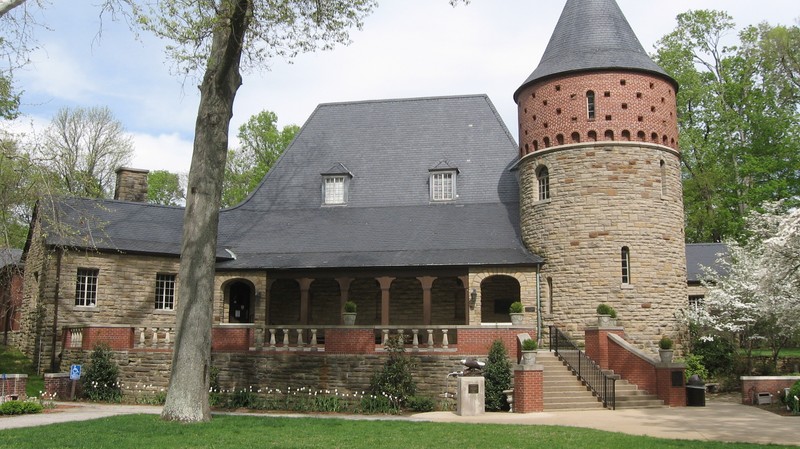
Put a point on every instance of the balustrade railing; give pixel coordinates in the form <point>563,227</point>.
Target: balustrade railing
<point>601,383</point>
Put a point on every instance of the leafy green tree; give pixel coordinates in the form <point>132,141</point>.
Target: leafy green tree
<point>262,143</point>
<point>497,373</point>
<point>394,380</point>
<point>100,382</point>
<point>164,187</point>
<point>739,130</point>
<point>17,193</point>
<point>217,38</point>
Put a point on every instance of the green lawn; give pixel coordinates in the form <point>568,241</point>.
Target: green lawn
<point>148,431</point>
<point>785,352</point>
<point>14,362</point>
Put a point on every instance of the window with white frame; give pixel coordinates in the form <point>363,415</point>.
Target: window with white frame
<point>334,189</point>
<point>590,105</point>
<point>443,185</point>
<point>165,291</point>
<point>696,301</point>
<point>626,265</point>
<point>86,287</point>
<point>543,178</point>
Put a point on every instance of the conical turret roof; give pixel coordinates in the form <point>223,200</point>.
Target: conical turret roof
<point>592,35</point>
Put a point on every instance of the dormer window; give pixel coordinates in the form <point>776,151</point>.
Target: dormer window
<point>443,182</point>
<point>335,186</point>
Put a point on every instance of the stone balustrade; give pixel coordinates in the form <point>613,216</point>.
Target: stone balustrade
<point>335,339</point>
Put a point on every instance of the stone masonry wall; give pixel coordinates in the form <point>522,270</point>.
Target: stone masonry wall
<point>605,196</point>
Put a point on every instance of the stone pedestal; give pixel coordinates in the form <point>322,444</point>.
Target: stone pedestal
<point>471,396</point>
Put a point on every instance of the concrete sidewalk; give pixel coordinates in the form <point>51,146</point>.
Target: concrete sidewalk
<point>718,421</point>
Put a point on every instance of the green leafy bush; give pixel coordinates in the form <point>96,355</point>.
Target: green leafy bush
<point>516,307</point>
<point>20,408</point>
<point>793,403</point>
<point>394,380</point>
<point>350,307</point>
<point>665,343</point>
<point>529,344</point>
<point>719,355</point>
<point>694,365</point>
<point>605,309</point>
<point>497,373</point>
<point>420,404</point>
<point>100,382</point>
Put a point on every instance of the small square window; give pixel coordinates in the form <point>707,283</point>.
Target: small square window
<point>443,186</point>
<point>334,190</point>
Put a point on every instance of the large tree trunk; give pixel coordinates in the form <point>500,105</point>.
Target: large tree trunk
<point>187,399</point>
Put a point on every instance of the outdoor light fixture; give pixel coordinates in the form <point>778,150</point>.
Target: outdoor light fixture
<point>473,298</point>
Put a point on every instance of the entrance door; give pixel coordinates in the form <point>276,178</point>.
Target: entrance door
<point>240,310</point>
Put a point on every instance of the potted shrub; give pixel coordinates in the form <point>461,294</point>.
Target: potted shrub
<point>349,315</point>
<point>606,316</point>
<point>516,312</point>
<point>665,349</point>
<point>529,347</point>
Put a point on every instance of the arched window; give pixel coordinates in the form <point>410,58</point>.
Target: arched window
<point>609,135</point>
<point>576,138</point>
<point>560,139</point>
<point>590,104</point>
<point>543,178</point>
<point>663,178</point>
<point>626,265</point>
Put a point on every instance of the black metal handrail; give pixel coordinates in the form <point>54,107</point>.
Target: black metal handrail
<point>602,384</point>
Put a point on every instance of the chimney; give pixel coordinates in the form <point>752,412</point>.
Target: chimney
<point>131,185</point>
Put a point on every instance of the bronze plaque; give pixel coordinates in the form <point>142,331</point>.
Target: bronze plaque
<point>473,388</point>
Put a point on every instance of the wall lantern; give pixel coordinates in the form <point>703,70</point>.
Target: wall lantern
<point>473,298</point>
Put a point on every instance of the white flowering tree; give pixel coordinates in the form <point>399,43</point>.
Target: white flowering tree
<point>755,293</point>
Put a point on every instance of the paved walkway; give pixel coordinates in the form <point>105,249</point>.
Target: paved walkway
<point>720,420</point>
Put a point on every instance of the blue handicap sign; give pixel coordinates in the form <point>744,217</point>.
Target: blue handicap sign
<point>74,372</point>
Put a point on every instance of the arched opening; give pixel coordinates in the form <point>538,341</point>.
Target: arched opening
<point>405,306</point>
<point>366,293</point>
<point>641,136</point>
<point>550,295</point>
<point>576,137</point>
<point>284,302</point>
<point>560,139</point>
<point>535,145</point>
<point>663,178</point>
<point>609,135</point>
<point>448,302</point>
<point>241,302</point>
<point>546,141</point>
<point>593,136</point>
<point>626,135</point>
<point>654,137</point>
<point>324,298</point>
<point>497,294</point>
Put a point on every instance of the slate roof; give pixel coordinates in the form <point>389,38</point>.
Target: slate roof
<point>592,35</point>
<point>389,148</point>
<point>700,255</point>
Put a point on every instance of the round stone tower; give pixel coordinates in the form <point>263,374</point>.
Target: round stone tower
<point>600,177</point>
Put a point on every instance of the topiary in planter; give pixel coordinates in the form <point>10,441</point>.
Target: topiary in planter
<point>350,307</point>
<point>665,343</point>
<point>529,344</point>
<point>605,309</point>
<point>516,307</point>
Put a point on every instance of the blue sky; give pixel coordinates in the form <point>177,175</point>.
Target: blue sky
<point>408,48</point>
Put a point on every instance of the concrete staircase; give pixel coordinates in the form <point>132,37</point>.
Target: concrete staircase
<point>563,390</point>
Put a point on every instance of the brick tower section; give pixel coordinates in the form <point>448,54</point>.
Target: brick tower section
<point>608,141</point>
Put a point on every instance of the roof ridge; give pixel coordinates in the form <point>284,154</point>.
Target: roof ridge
<point>403,100</point>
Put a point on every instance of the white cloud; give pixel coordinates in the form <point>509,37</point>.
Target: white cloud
<point>169,152</point>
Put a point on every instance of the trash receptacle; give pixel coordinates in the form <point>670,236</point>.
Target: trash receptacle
<point>695,392</point>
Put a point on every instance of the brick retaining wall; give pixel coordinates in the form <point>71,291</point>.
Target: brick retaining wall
<point>752,385</point>
<point>14,385</point>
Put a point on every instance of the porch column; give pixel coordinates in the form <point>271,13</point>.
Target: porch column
<point>386,284</point>
<point>305,286</point>
<point>344,291</point>
<point>427,284</point>
<point>266,298</point>
<point>465,283</point>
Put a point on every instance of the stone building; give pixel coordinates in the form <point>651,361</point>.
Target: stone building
<point>424,212</point>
